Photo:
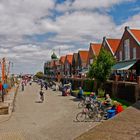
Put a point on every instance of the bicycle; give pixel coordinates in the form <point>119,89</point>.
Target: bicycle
<point>83,101</point>
<point>88,112</point>
<point>85,115</point>
<point>101,112</point>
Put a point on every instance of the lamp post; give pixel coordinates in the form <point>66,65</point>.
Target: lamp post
<point>3,70</point>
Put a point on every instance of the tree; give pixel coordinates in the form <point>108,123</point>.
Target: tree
<point>100,69</point>
<point>39,74</point>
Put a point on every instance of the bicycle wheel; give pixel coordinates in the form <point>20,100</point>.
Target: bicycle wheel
<point>80,117</point>
<point>99,115</point>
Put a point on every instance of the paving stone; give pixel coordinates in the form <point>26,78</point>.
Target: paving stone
<point>125,126</point>
<point>54,119</point>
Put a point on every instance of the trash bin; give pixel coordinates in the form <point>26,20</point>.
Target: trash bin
<point>111,113</point>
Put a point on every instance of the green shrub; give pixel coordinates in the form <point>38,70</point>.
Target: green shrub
<point>101,92</point>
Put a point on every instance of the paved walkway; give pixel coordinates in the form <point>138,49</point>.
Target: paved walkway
<point>125,126</point>
<point>51,120</point>
<point>8,102</point>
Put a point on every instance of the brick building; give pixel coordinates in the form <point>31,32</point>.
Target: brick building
<point>128,52</point>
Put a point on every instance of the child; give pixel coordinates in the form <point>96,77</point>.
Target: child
<point>41,95</point>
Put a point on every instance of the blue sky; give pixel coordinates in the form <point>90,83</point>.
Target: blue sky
<point>122,12</point>
<point>31,29</point>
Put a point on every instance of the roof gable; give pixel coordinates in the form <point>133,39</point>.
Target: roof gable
<point>69,58</point>
<point>95,47</point>
<point>83,55</point>
<point>136,34</point>
<point>113,44</point>
<point>62,59</point>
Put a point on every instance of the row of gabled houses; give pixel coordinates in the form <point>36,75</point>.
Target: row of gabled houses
<point>125,50</point>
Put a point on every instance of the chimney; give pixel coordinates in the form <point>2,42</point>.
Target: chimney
<point>127,28</point>
<point>104,38</point>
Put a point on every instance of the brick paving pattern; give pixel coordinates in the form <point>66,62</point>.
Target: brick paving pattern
<point>51,120</point>
<point>125,126</point>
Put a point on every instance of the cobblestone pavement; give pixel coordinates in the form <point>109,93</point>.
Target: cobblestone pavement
<point>124,126</point>
<point>52,120</point>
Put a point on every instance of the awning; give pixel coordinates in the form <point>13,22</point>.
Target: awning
<point>84,71</point>
<point>125,65</point>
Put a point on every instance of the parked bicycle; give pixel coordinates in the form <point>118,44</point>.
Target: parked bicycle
<point>85,115</point>
<point>92,110</point>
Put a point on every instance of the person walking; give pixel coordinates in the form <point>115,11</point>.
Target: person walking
<point>41,85</point>
<point>22,86</point>
<point>41,95</point>
<point>1,91</point>
<point>80,93</point>
<point>46,85</point>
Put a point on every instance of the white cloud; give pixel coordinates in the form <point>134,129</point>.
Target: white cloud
<point>79,24</point>
<point>133,22</point>
<point>82,26</point>
<point>19,17</point>
<point>89,4</point>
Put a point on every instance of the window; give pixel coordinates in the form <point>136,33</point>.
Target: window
<point>126,49</point>
<point>91,61</point>
<point>134,53</point>
<point>120,55</point>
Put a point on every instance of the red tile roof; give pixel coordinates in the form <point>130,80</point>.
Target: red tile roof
<point>136,33</point>
<point>96,48</point>
<point>69,58</point>
<point>62,59</point>
<point>114,44</point>
<point>83,55</point>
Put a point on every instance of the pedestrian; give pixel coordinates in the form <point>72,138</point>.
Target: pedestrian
<point>41,85</point>
<point>41,95</point>
<point>46,85</point>
<point>3,93</point>
<point>22,86</point>
<point>80,93</point>
<point>0,89</point>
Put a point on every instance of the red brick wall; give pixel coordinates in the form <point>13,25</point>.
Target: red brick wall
<point>90,55</point>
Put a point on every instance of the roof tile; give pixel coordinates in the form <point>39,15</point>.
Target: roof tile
<point>83,55</point>
<point>136,33</point>
<point>69,58</point>
<point>114,44</point>
<point>62,59</point>
<point>96,48</point>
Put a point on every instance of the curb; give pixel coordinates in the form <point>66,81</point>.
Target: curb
<point>11,107</point>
